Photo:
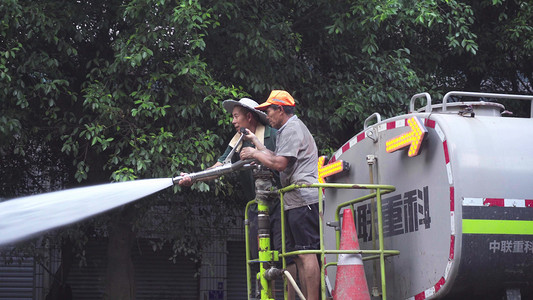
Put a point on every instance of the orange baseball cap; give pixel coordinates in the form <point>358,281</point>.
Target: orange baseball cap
<point>277,97</point>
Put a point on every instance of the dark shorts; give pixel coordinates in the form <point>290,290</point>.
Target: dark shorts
<point>302,228</point>
<point>275,231</point>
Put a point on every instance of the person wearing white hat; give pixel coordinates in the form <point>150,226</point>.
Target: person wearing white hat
<point>246,116</point>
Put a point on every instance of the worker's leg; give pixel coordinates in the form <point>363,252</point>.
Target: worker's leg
<point>290,289</point>
<point>304,231</point>
<point>309,274</point>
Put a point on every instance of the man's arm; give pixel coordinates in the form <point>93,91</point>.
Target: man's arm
<point>187,181</point>
<point>265,156</point>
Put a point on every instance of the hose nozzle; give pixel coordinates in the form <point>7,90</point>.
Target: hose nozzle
<point>218,171</point>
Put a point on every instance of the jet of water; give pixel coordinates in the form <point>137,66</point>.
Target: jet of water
<point>23,217</point>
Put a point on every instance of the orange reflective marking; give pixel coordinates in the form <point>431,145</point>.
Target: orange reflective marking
<point>412,138</point>
<point>329,169</point>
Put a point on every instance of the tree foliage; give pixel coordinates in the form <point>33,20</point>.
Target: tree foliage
<point>341,61</point>
<point>100,91</point>
<point>97,91</point>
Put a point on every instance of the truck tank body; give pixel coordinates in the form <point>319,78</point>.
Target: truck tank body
<point>462,211</point>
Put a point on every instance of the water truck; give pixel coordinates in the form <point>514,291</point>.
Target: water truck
<point>461,215</point>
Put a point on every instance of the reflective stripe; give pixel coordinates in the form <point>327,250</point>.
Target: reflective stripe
<point>350,259</point>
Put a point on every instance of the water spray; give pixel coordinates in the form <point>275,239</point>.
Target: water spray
<point>24,217</point>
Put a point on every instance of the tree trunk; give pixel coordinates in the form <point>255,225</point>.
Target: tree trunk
<point>120,283</point>
<point>59,289</point>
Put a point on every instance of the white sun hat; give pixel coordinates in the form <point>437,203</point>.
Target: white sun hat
<point>246,103</point>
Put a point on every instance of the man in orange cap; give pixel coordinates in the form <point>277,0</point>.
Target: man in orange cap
<point>296,158</point>
<point>246,116</point>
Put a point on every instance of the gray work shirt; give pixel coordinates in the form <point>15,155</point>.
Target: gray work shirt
<point>295,142</point>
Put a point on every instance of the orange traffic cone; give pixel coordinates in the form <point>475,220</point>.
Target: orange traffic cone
<point>350,281</point>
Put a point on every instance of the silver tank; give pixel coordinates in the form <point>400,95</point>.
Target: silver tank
<point>462,212</point>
